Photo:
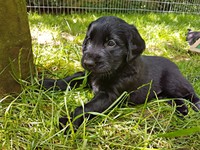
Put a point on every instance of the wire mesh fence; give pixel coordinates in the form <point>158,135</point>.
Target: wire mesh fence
<point>117,6</point>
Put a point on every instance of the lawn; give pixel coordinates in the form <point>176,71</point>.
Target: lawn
<point>30,120</point>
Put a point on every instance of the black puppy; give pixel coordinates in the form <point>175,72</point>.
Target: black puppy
<point>112,54</point>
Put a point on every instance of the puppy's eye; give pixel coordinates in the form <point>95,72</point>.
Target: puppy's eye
<point>111,43</point>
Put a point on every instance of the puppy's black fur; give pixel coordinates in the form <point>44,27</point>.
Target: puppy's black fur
<point>112,54</point>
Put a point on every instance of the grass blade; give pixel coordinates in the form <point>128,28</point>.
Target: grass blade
<point>178,133</point>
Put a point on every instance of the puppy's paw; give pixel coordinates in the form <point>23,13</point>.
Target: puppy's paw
<point>196,107</point>
<point>48,83</point>
<point>182,111</point>
<point>196,103</point>
<point>181,107</point>
<point>62,123</point>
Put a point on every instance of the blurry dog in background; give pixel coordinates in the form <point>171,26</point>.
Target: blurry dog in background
<point>192,36</point>
<point>112,52</point>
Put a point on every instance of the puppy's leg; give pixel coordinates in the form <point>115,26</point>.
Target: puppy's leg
<point>195,100</point>
<point>176,86</point>
<point>99,103</point>
<point>181,107</point>
<point>61,84</point>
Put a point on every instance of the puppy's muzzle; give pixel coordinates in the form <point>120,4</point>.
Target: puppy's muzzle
<point>89,63</point>
<point>89,60</point>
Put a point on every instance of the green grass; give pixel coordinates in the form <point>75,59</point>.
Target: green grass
<point>30,120</point>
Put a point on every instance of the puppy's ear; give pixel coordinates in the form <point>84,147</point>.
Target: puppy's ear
<point>85,39</point>
<point>136,44</point>
<point>88,33</point>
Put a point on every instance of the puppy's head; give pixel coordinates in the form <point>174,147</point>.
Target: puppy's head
<point>109,44</point>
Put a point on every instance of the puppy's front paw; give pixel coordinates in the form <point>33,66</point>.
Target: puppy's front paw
<point>76,119</point>
<point>47,83</point>
<point>62,123</point>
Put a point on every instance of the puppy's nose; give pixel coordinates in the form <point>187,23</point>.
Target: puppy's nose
<point>89,63</point>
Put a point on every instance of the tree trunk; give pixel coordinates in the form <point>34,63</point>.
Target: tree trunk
<point>16,58</point>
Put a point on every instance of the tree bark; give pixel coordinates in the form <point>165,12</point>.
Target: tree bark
<point>16,58</point>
